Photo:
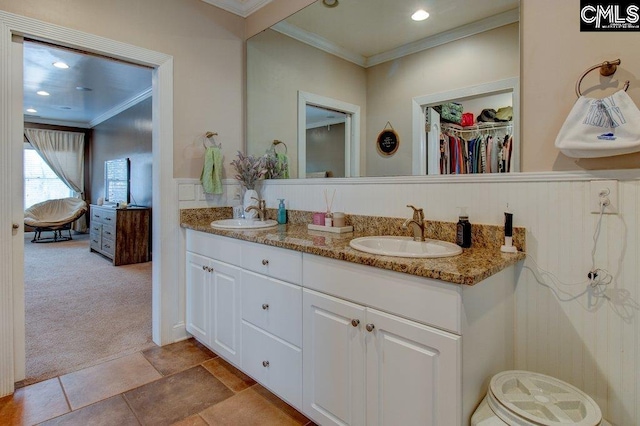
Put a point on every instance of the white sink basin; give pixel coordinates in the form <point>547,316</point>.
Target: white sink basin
<point>243,223</point>
<point>405,247</point>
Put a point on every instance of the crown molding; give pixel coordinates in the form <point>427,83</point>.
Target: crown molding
<point>477,27</point>
<point>241,8</point>
<point>39,120</point>
<point>325,45</point>
<point>145,94</point>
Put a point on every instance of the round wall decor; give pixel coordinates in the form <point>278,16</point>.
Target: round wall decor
<point>388,141</point>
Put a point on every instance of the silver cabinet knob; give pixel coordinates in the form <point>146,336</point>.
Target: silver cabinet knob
<point>355,322</point>
<point>15,226</point>
<point>204,268</point>
<point>265,306</point>
<point>265,262</point>
<point>265,363</point>
<point>370,327</point>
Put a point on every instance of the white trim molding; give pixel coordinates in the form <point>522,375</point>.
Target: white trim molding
<point>242,8</point>
<point>164,212</point>
<point>123,106</point>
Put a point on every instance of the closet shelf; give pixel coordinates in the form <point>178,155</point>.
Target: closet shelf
<point>476,127</point>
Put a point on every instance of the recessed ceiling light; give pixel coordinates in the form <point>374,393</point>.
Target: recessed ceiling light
<point>420,15</point>
<point>83,89</point>
<point>60,65</point>
<point>32,110</point>
<point>330,3</point>
<point>42,93</point>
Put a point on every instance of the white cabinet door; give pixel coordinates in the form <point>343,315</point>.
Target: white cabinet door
<point>197,309</point>
<point>224,318</point>
<point>333,360</point>
<point>413,373</point>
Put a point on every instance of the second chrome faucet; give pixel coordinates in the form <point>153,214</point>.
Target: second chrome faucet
<point>416,223</point>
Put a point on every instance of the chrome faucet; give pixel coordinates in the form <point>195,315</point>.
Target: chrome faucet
<point>261,208</point>
<point>416,222</point>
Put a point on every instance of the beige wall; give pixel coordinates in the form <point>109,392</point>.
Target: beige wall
<point>554,55</point>
<point>483,58</point>
<point>205,42</point>
<point>279,67</point>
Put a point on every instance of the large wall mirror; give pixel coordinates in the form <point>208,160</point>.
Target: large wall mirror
<point>328,80</point>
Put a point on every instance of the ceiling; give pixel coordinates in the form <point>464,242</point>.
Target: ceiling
<point>91,90</point>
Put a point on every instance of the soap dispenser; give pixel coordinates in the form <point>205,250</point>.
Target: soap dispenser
<point>463,229</point>
<point>282,212</point>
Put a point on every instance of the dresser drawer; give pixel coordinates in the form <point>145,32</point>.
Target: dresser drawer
<point>273,261</point>
<point>216,247</point>
<point>108,246</point>
<point>103,215</point>
<point>273,305</point>
<point>95,241</point>
<point>109,231</point>
<point>274,363</point>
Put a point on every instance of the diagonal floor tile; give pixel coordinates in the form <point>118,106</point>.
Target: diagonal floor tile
<point>105,380</point>
<point>113,411</point>
<point>33,404</point>
<point>176,397</point>
<point>273,399</point>
<point>178,356</point>
<point>247,408</point>
<point>235,379</point>
<point>194,420</point>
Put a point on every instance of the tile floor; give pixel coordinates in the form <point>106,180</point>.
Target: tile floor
<point>180,384</point>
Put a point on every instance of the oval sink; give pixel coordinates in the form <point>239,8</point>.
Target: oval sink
<point>405,247</point>
<point>243,223</point>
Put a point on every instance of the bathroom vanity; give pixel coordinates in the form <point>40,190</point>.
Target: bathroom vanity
<point>347,343</point>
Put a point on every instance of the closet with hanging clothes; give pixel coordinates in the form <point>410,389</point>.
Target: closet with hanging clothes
<point>480,138</point>
<point>481,148</point>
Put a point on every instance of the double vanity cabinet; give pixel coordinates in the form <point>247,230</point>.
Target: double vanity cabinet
<point>349,344</point>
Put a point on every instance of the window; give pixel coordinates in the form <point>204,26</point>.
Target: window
<point>40,182</point>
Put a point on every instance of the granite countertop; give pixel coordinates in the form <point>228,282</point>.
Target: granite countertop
<point>472,266</point>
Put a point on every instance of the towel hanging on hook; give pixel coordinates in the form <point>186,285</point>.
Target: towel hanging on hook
<point>276,142</point>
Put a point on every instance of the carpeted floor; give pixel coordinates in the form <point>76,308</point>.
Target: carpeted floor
<point>80,309</point>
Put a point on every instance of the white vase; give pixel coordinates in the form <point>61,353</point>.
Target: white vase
<point>250,199</point>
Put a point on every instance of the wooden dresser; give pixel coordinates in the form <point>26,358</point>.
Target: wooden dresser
<point>121,234</point>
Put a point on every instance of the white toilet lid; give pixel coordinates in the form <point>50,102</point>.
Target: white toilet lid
<point>526,398</point>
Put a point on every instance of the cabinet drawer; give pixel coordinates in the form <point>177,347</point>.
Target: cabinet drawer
<point>274,363</point>
<point>216,247</point>
<point>109,231</point>
<point>96,228</point>
<point>273,261</point>
<point>108,246</point>
<point>103,215</point>
<point>273,305</point>
<point>95,239</point>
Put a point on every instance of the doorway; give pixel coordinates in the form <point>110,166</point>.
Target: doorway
<point>71,294</point>
<point>164,211</point>
<point>349,114</point>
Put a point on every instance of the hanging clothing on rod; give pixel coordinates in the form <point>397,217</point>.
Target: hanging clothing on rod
<point>483,148</point>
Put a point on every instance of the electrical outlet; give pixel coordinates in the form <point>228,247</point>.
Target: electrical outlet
<point>604,190</point>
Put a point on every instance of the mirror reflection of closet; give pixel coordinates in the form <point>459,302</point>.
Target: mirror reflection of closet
<point>487,145</point>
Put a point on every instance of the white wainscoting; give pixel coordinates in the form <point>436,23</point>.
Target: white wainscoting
<point>588,338</point>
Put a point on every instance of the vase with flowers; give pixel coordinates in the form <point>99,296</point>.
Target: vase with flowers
<point>249,171</point>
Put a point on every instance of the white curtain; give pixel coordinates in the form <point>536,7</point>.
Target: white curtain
<point>64,153</point>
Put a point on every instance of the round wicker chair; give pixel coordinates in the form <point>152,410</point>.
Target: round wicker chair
<point>54,216</point>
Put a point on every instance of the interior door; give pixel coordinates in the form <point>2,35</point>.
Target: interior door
<point>433,142</point>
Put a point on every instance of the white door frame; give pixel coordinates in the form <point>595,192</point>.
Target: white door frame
<point>165,229</point>
<point>352,131</point>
